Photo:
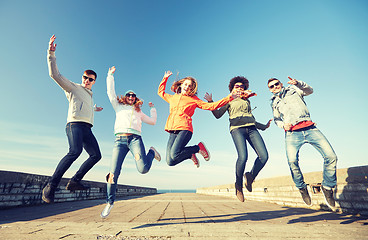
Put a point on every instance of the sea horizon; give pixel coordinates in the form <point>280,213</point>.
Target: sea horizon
<point>176,190</point>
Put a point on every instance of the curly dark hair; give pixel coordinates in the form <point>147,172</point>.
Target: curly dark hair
<point>238,79</point>
<point>137,103</point>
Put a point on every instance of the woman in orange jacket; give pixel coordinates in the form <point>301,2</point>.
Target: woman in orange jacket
<point>179,123</point>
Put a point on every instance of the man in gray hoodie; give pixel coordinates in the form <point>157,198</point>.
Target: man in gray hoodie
<point>78,128</point>
<point>291,113</point>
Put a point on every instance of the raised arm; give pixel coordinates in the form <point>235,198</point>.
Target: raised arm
<point>161,88</point>
<point>305,88</point>
<point>110,84</point>
<point>54,73</point>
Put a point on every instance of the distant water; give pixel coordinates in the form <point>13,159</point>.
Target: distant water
<point>176,190</point>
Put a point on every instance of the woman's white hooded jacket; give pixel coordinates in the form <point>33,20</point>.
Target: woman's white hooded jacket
<point>128,120</point>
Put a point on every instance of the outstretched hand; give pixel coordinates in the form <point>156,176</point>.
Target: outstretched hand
<point>208,97</point>
<point>247,94</point>
<point>150,104</point>
<point>52,45</point>
<point>235,93</point>
<point>97,109</point>
<point>292,81</point>
<point>112,70</point>
<point>268,123</point>
<point>167,74</point>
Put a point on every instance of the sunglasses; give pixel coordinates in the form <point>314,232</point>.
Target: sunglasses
<point>274,85</point>
<point>239,86</point>
<point>90,79</point>
<point>130,95</point>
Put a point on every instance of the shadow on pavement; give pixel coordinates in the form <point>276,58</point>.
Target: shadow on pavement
<point>262,216</point>
<point>29,213</point>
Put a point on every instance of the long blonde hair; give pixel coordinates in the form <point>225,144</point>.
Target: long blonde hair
<point>176,87</point>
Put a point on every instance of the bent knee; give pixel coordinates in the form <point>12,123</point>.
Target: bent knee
<point>170,162</point>
<point>143,171</point>
<point>264,157</point>
<point>110,178</point>
<point>98,156</point>
<point>137,157</point>
<point>75,153</point>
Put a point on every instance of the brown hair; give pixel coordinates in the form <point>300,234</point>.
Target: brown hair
<point>272,79</point>
<point>91,72</point>
<point>137,103</point>
<point>176,87</point>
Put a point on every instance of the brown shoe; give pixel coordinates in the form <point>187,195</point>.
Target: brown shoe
<point>48,193</point>
<point>239,193</point>
<point>73,185</point>
<point>248,179</point>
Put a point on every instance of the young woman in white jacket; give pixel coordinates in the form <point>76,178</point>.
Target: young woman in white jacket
<point>128,124</point>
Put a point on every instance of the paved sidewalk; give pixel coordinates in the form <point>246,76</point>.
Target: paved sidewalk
<point>178,216</point>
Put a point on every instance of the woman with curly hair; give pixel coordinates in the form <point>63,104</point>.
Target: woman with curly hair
<point>128,123</point>
<point>179,123</point>
<point>243,128</point>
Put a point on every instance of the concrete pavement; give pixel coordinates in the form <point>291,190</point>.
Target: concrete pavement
<point>178,216</point>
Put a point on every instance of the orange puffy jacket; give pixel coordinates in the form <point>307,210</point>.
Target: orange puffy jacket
<point>182,108</point>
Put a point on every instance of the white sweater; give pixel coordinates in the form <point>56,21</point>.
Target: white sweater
<point>80,98</point>
<point>128,120</point>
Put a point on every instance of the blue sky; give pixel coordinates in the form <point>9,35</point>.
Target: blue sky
<point>323,43</point>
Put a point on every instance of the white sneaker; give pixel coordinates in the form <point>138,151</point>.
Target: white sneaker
<point>157,155</point>
<point>106,210</point>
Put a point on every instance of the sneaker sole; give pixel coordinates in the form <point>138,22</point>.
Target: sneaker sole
<point>158,158</point>
<point>46,200</point>
<point>208,153</point>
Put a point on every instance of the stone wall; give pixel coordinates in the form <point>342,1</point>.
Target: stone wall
<point>350,194</point>
<point>22,189</point>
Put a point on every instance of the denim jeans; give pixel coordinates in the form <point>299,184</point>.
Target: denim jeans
<point>124,144</point>
<point>176,150</point>
<point>250,134</point>
<point>294,141</point>
<point>79,136</point>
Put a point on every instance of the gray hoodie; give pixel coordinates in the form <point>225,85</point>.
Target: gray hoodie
<point>80,98</point>
<point>288,105</point>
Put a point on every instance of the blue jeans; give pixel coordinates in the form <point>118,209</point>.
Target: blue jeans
<point>250,134</point>
<point>294,141</point>
<point>79,136</point>
<point>176,150</point>
<point>124,144</point>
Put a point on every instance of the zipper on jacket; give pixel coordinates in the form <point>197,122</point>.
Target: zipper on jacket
<point>131,118</point>
<point>176,111</point>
